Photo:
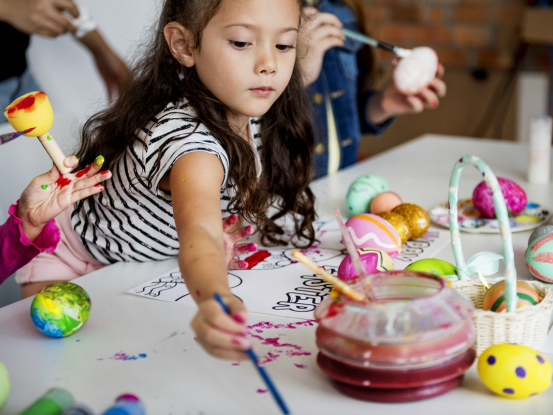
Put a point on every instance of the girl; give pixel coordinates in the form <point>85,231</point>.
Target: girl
<point>214,122</point>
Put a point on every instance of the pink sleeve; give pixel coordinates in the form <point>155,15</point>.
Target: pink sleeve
<point>15,248</point>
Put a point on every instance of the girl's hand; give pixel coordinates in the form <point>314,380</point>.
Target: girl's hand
<point>390,102</point>
<point>230,239</point>
<point>219,334</point>
<point>41,17</point>
<point>318,33</point>
<point>51,193</point>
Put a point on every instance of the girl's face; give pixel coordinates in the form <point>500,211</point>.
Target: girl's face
<point>247,54</point>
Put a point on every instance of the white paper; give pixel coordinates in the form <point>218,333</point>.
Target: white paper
<point>278,284</point>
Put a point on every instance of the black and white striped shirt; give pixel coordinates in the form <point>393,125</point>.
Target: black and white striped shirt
<point>132,221</point>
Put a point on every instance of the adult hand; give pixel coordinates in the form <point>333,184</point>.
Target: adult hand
<point>232,249</point>
<point>318,33</point>
<point>389,102</point>
<point>51,193</point>
<point>41,17</point>
<point>219,334</point>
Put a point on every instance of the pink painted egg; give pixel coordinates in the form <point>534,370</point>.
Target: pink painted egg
<point>539,258</point>
<point>373,260</point>
<point>385,202</point>
<point>494,300</point>
<point>415,72</point>
<point>371,231</point>
<point>514,195</point>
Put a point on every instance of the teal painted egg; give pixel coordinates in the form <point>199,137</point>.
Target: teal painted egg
<point>539,258</point>
<point>4,384</point>
<point>434,266</point>
<point>363,190</point>
<point>60,309</point>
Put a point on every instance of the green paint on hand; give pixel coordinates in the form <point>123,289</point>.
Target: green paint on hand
<point>44,186</point>
<point>99,160</point>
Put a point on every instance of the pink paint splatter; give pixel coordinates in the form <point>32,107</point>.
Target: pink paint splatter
<point>300,366</point>
<point>125,356</point>
<point>262,391</point>
<point>198,293</point>
<point>236,364</point>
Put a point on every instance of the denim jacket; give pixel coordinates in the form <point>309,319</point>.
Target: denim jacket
<point>338,80</point>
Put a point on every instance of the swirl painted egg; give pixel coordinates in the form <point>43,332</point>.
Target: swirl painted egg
<point>434,266</point>
<point>373,260</point>
<point>514,371</point>
<point>362,191</point>
<point>494,300</point>
<point>539,258</point>
<point>5,385</point>
<point>60,309</point>
<point>399,223</point>
<point>385,202</point>
<point>371,231</point>
<point>514,195</point>
<point>417,218</point>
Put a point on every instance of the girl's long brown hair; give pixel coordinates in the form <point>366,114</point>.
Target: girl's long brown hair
<point>286,132</point>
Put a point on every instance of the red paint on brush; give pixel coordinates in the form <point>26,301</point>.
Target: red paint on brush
<point>256,258</point>
<point>29,130</point>
<point>84,171</point>
<point>63,181</point>
<point>26,104</point>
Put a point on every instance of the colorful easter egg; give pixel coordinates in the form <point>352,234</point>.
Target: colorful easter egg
<point>494,300</point>
<point>371,231</point>
<point>385,202</point>
<point>373,260</point>
<point>514,371</point>
<point>5,385</point>
<point>417,218</point>
<point>539,258</point>
<point>541,231</point>
<point>60,309</point>
<point>399,223</point>
<point>434,266</point>
<point>362,191</point>
<point>514,195</point>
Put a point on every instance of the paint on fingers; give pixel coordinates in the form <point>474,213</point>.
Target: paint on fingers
<point>185,178</point>
<point>44,186</point>
<point>99,160</point>
<point>63,181</point>
<point>84,171</point>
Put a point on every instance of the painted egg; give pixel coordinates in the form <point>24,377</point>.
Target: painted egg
<point>5,385</point>
<point>494,300</point>
<point>399,223</point>
<point>373,260</point>
<point>514,371</point>
<point>60,309</point>
<point>417,218</point>
<point>415,72</point>
<point>371,231</point>
<point>514,195</point>
<point>385,202</point>
<point>539,258</point>
<point>362,191</point>
<point>541,231</point>
<point>434,266</point>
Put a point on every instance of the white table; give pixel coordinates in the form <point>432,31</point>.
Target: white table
<point>177,377</point>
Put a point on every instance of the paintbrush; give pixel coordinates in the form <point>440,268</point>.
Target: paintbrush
<point>6,138</point>
<point>359,268</point>
<point>328,277</point>
<point>255,360</point>
<point>401,52</point>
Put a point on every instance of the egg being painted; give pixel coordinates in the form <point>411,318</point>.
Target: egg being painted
<point>514,195</point>
<point>539,258</point>
<point>371,231</point>
<point>373,260</point>
<point>60,309</point>
<point>362,191</point>
<point>514,371</point>
<point>494,300</point>
<point>385,202</point>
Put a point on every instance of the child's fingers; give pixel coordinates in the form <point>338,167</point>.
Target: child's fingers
<point>241,234</point>
<point>87,182</point>
<point>209,336</point>
<point>429,98</point>
<point>244,249</point>
<point>439,87</point>
<point>213,315</point>
<point>71,162</point>
<point>89,191</point>
<point>415,103</point>
<point>237,264</point>
<point>229,222</point>
<point>225,353</point>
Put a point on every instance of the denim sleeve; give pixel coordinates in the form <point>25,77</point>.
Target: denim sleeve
<point>367,127</point>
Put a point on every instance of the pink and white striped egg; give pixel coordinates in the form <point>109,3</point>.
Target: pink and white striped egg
<point>539,258</point>
<point>371,231</point>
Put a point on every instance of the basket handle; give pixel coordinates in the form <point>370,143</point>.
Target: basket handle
<point>504,227</point>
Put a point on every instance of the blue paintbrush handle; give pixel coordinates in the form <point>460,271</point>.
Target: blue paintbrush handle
<point>270,385</point>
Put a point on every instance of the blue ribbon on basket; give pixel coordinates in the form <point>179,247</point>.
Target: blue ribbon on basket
<point>485,262</point>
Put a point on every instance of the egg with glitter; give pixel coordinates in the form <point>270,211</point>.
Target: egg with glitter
<point>539,258</point>
<point>363,190</point>
<point>514,195</point>
<point>494,300</point>
<point>385,202</point>
<point>399,223</point>
<point>417,218</point>
<point>514,371</point>
<point>60,309</point>
<point>5,385</point>
<point>373,260</point>
<point>371,231</point>
<point>541,231</point>
<point>434,266</point>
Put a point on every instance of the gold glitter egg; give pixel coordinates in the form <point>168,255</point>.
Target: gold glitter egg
<point>399,223</point>
<point>417,218</point>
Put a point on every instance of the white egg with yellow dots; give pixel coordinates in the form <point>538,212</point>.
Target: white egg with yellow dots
<point>514,371</point>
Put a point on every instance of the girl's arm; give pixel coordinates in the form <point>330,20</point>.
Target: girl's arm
<point>195,182</point>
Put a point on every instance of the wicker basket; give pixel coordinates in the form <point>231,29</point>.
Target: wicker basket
<point>526,325</point>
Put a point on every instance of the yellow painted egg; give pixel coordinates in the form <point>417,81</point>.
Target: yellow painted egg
<point>514,371</point>
<point>418,219</point>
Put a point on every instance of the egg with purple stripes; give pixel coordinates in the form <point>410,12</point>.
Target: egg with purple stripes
<point>371,231</point>
<point>494,300</point>
<point>539,258</point>
<point>514,371</point>
<point>373,260</point>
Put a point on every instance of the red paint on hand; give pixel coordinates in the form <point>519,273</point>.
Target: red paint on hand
<point>256,258</point>
<point>84,171</point>
<point>198,293</point>
<point>104,172</point>
<point>62,182</point>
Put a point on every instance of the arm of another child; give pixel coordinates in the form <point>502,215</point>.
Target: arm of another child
<point>195,182</point>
